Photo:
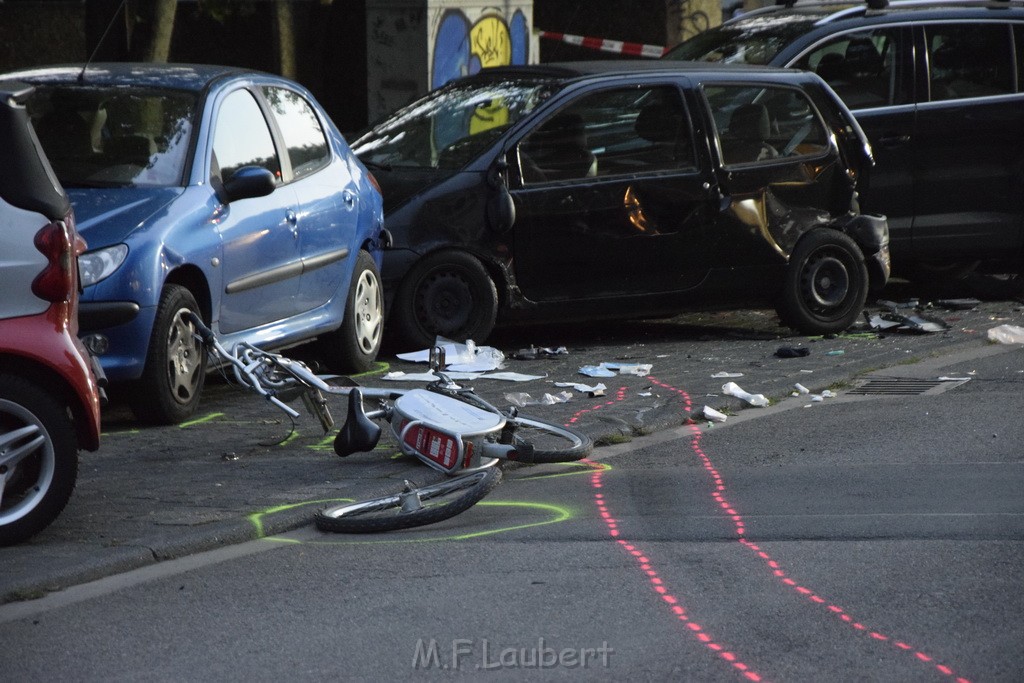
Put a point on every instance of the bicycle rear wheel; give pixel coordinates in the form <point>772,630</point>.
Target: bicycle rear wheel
<point>538,441</point>
<point>416,506</point>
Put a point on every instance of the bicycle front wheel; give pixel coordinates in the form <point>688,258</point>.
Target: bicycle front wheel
<point>416,506</point>
<point>538,441</point>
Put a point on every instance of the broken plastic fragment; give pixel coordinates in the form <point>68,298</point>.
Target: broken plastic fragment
<point>596,371</point>
<point>801,388</point>
<point>535,352</point>
<point>1007,334</point>
<point>726,375</point>
<point>713,415</point>
<point>521,399</point>
<point>732,389</point>
<point>582,388</point>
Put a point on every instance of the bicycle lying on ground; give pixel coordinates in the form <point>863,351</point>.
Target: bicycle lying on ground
<point>447,427</point>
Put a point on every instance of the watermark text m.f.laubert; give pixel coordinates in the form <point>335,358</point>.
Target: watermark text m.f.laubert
<point>483,654</point>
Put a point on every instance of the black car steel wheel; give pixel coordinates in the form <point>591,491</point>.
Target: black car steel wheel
<point>448,294</point>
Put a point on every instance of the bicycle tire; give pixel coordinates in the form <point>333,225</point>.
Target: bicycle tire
<point>538,441</point>
<point>385,513</point>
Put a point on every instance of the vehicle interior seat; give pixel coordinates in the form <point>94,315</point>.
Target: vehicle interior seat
<point>746,139</point>
<point>559,149</point>
<point>663,124</point>
<point>867,84</point>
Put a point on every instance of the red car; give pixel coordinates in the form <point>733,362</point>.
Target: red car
<point>50,390</point>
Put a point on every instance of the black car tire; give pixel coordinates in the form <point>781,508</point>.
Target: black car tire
<point>826,284</point>
<point>353,347</point>
<point>172,382</point>
<point>448,294</point>
<point>38,486</point>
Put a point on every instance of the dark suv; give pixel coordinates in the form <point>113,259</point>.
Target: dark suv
<point>620,190</point>
<point>939,90</point>
<point>49,393</point>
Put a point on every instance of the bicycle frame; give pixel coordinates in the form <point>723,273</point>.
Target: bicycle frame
<point>445,426</point>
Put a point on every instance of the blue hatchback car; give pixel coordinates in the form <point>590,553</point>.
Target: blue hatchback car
<point>212,189</point>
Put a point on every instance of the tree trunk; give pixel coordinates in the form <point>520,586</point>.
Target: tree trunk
<point>162,18</point>
<point>285,38</point>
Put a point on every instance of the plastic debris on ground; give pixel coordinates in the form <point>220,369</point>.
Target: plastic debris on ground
<point>732,389</point>
<point>713,415</point>
<point>594,390</point>
<point>801,389</point>
<point>726,375</point>
<point>522,399</point>
<point>1007,334</point>
<point>466,357</point>
<point>792,352</point>
<point>613,369</point>
<point>535,352</point>
<point>430,377</point>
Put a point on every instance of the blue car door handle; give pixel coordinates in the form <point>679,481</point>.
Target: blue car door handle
<point>349,197</point>
<point>293,222</point>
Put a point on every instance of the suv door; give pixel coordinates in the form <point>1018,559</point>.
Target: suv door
<point>872,71</point>
<point>611,199</point>
<point>969,142</point>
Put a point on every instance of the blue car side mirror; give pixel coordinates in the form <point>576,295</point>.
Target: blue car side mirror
<point>248,182</point>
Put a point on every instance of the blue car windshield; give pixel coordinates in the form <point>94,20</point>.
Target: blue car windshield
<point>451,126</point>
<point>114,137</point>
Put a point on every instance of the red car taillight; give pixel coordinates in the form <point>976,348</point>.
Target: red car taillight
<point>60,244</point>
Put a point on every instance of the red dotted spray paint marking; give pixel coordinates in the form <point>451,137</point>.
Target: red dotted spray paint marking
<point>718,495</point>
<point>644,562</point>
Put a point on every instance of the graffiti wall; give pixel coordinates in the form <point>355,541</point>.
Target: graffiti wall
<point>415,46</point>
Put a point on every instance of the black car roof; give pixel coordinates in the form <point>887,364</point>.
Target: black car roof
<point>622,67</point>
<point>840,10</point>
<point>192,77</point>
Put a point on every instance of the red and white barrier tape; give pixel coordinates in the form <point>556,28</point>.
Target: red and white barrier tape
<point>604,45</point>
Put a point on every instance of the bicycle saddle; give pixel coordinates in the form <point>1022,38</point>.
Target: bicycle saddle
<point>359,433</point>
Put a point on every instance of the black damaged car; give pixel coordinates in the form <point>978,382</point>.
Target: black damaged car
<point>610,189</point>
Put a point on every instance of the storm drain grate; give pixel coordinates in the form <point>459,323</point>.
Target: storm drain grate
<point>903,386</point>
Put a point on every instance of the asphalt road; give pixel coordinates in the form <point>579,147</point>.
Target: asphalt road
<point>875,538</point>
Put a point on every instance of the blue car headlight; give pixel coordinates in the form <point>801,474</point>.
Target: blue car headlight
<point>98,265</point>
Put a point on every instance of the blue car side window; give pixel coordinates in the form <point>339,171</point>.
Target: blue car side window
<point>242,138</point>
<point>300,128</point>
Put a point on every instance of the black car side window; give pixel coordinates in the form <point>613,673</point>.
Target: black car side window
<point>303,136</point>
<point>242,138</point>
<point>611,132</point>
<point>969,60</point>
<point>763,124</point>
<point>861,67</point>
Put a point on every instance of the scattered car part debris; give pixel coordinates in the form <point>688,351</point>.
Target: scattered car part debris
<point>726,375</point>
<point>461,357</point>
<point>584,388</point>
<point>958,304</point>
<point>535,352</point>
<point>612,369</point>
<point>801,388</point>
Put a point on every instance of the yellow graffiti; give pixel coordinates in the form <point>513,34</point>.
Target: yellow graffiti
<point>490,42</point>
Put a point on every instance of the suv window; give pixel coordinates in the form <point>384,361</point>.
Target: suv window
<point>611,132</point>
<point>862,68</point>
<point>969,60</point>
<point>757,123</point>
<point>303,136</point>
